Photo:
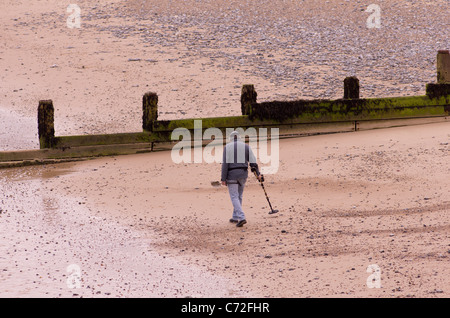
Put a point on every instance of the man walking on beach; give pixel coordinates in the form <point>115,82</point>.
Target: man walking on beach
<point>237,155</point>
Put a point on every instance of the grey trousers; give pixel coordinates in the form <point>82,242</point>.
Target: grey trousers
<point>236,190</point>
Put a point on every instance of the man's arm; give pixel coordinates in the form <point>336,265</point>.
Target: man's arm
<point>224,168</point>
<point>252,162</point>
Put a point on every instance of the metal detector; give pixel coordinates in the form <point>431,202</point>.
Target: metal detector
<point>272,211</point>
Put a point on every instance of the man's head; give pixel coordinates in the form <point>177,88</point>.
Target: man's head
<point>234,136</point>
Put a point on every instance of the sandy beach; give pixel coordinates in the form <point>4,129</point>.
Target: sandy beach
<point>346,201</point>
<point>143,226</point>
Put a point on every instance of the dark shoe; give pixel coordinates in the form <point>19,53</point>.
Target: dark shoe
<point>233,221</point>
<point>241,223</point>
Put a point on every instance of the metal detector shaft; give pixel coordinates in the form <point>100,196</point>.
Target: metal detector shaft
<point>272,211</point>
<point>262,185</point>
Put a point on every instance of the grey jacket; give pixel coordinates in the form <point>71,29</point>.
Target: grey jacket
<point>237,155</point>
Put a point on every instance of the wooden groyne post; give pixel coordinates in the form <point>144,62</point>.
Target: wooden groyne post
<point>443,67</point>
<point>351,88</point>
<point>442,87</point>
<point>248,97</point>
<point>46,124</point>
<point>149,110</point>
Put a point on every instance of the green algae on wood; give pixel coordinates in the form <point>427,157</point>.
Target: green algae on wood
<point>344,109</point>
<point>438,90</point>
<point>105,139</point>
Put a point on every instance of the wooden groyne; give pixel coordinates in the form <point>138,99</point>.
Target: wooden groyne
<point>292,118</point>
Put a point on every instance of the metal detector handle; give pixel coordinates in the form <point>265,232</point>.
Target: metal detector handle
<point>262,177</point>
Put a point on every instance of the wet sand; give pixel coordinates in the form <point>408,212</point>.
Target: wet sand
<point>18,132</point>
<point>49,237</point>
<point>141,225</point>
